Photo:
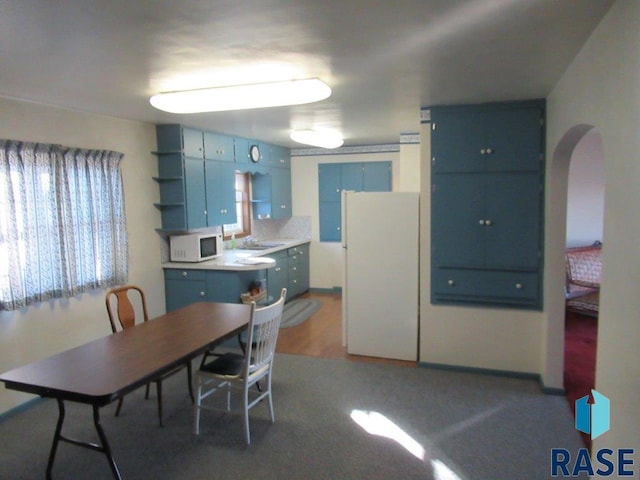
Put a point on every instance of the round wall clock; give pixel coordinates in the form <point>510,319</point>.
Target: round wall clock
<point>254,153</point>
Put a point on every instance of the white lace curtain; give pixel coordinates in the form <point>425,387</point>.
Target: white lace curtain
<point>63,229</point>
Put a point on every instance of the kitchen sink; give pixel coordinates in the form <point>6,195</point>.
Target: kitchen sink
<point>262,245</point>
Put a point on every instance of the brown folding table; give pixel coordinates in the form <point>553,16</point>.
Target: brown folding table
<point>105,369</point>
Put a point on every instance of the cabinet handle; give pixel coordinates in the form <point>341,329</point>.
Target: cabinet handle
<point>451,283</point>
<point>519,286</point>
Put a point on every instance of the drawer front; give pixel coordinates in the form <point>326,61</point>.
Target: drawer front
<point>184,274</point>
<point>481,286</point>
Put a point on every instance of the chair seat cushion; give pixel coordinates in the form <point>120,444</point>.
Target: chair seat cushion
<point>228,364</point>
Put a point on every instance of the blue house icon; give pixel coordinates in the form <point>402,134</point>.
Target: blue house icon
<point>593,419</point>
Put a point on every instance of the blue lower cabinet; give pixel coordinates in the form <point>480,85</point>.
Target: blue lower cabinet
<point>186,286</point>
<point>277,277</point>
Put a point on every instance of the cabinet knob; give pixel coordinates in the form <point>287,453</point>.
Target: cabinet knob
<point>482,151</point>
<point>202,294</point>
<point>338,190</point>
<point>338,228</point>
<point>184,274</point>
<point>489,151</point>
<point>451,283</point>
<point>519,286</point>
<point>481,222</point>
<point>488,223</point>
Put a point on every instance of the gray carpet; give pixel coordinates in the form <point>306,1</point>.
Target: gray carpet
<point>297,311</point>
<point>462,426</point>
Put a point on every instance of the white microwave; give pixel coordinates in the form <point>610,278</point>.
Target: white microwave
<point>195,247</point>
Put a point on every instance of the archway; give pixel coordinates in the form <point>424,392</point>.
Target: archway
<point>568,152</point>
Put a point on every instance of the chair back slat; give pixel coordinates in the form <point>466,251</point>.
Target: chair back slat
<point>263,335</point>
<point>125,312</point>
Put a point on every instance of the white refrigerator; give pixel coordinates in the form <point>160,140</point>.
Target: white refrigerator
<point>380,235</point>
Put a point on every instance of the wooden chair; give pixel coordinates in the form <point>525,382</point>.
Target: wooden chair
<point>232,371</point>
<point>122,315</point>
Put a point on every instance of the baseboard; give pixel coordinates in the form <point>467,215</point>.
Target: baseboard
<point>332,291</point>
<point>495,373</point>
<point>21,408</point>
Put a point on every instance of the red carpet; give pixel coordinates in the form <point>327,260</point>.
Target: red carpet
<point>581,334</point>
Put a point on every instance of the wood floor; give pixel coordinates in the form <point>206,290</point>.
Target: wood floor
<point>321,334</point>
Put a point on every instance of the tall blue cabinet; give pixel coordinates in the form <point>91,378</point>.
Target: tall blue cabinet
<point>487,196</point>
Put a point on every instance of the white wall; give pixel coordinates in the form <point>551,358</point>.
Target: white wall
<point>39,331</point>
<point>585,196</point>
<point>602,88</point>
<point>327,257</point>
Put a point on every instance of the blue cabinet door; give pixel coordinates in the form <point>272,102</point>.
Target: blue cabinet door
<point>329,183</point>
<point>376,177</point>
<point>192,140</point>
<point>280,157</point>
<point>330,220</point>
<point>277,276</point>
<point>457,139</point>
<point>184,287</point>
<point>457,228</point>
<point>351,176</point>
<point>195,192</point>
<point>221,199</point>
<point>515,139</point>
<point>280,193</point>
<point>218,147</point>
<point>514,208</point>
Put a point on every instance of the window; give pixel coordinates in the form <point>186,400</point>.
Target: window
<point>62,222</point>
<point>242,227</point>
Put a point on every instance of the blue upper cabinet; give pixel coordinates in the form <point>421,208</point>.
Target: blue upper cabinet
<point>333,178</point>
<point>196,176</point>
<point>218,147</point>
<point>193,143</point>
<point>487,138</point>
<point>280,157</point>
<point>487,191</point>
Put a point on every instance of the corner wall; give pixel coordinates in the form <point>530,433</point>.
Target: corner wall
<point>47,328</point>
<point>602,88</point>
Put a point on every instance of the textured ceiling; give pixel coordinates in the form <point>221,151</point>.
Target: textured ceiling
<point>383,60</point>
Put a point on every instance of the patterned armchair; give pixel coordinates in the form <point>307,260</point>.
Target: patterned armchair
<point>584,271</point>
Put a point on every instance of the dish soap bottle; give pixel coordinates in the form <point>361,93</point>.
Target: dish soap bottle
<point>233,241</point>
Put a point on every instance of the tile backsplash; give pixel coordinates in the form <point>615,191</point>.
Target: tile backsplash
<point>293,227</point>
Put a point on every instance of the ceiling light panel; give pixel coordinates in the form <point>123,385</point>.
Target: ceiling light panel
<point>242,97</point>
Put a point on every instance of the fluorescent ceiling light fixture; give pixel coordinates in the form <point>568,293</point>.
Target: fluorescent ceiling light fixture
<point>242,97</point>
<point>317,138</point>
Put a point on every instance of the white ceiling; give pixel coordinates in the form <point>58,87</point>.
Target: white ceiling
<point>383,59</point>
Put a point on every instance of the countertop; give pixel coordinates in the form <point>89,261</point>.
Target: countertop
<point>241,259</point>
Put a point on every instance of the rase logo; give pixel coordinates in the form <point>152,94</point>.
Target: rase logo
<point>593,419</point>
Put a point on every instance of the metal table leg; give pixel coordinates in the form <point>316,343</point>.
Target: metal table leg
<point>104,448</point>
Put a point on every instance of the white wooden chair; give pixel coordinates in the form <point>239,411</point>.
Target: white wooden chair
<point>230,371</point>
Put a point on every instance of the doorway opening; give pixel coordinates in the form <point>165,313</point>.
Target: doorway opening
<point>583,159</point>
